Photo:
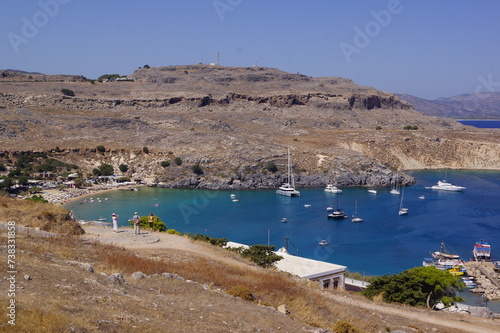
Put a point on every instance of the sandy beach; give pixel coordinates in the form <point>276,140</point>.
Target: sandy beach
<point>67,195</point>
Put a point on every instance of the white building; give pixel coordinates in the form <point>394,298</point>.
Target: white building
<point>328,275</point>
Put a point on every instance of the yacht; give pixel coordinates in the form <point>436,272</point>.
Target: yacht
<point>332,189</point>
<point>445,186</point>
<point>323,243</point>
<point>482,251</point>
<point>288,188</point>
<point>337,214</point>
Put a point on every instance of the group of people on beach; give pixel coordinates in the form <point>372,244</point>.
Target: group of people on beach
<point>136,221</point>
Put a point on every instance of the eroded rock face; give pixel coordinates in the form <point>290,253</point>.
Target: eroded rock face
<point>232,121</point>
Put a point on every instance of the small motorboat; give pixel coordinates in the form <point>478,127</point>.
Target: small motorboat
<point>323,243</point>
<point>232,196</point>
<point>421,197</point>
<point>332,189</point>
<point>284,220</point>
<point>329,208</point>
<point>372,191</point>
<point>307,206</point>
<point>100,218</point>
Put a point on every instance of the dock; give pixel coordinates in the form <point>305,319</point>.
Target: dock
<point>487,278</point>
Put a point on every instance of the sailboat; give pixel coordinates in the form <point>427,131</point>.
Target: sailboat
<point>337,214</point>
<point>288,188</point>
<point>355,217</point>
<point>395,189</point>
<point>402,211</point>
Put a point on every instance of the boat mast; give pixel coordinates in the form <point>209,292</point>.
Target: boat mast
<point>288,169</point>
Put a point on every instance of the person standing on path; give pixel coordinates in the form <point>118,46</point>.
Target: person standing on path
<point>137,224</point>
<point>151,219</point>
<point>114,218</point>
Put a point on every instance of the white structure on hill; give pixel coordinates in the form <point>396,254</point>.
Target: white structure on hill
<point>328,275</point>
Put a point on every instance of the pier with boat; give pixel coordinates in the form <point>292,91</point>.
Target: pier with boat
<point>480,275</point>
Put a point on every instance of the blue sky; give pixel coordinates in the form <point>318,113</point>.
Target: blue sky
<point>424,48</point>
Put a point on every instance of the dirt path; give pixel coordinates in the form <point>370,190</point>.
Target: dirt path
<point>154,242</point>
<point>460,322</point>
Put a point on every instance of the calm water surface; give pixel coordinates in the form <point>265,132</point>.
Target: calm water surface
<point>481,123</point>
<point>385,243</point>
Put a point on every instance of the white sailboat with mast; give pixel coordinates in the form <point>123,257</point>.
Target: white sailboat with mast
<point>395,189</point>
<point>288,188</point>
<point>402,210</point>
<point>355,217</point>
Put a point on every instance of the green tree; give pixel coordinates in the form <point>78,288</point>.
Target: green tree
<point>145,150</point>
<point>68,92</point>
<point>197,169</point>
<point>106,169</point>
<point>106,77</point>
<point>7,183</point>
<point>2,167</point>
<point>165,164</point>
<point>96,172</point>
<point>123,167</point>
<point>262,255</point>
<point>78,182</point>
<point>146,67</point>
<point>178,161</point>
<point>23,180</point>
<point>101,149</point>
<point>419,286</point>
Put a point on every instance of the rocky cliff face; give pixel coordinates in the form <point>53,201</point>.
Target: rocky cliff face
<point>232,121</point>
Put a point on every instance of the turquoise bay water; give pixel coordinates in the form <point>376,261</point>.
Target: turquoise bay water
<point>385,243</point>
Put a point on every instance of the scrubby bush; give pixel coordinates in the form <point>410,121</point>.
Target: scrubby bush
<point>164,164</point>
<point>178,161</point>
<point>271,167</point>
<point>173,232</point>
<point>145,150</point>
<point>197,169</point>
<point>158,224</point>
<point>37,198</point>
<point>68,92</point>
<point>123,167</point>
<point>214,241</point>
<point>344,327</point>
<point>242,292</point>
<point>410,127</point>
<point>101,149</point>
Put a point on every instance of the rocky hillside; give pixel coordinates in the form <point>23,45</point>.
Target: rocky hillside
<point>466,106</point>
<point>233,122</point>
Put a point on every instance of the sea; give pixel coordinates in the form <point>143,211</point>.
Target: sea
<point>481,123</point>
<point>384,243</point>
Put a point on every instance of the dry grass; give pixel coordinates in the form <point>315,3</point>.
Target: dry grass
<point>44,216</point>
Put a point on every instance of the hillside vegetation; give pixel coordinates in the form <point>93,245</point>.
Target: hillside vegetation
<point>228,123</point>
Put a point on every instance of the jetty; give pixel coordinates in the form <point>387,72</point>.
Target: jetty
<point>487,278</point>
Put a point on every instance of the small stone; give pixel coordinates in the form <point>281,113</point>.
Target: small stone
<point>138,275</point>
<point>27,277</point>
